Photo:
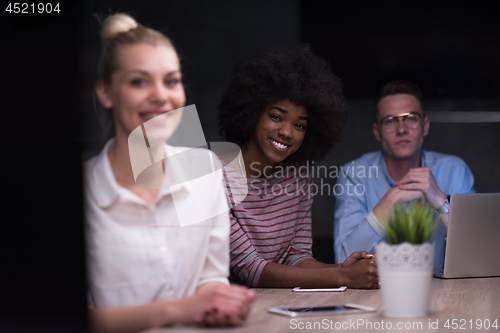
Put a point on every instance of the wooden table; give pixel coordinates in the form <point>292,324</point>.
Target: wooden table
<point>461,299</point>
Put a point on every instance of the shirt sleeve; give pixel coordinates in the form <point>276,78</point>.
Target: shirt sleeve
<point>352,231</point>
<point>245,261</point>
<point>301,248</point>
<point>217,260</point>
<point>216,266</point>
<point>462,180</point>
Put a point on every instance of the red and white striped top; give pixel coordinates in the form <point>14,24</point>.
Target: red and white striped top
<point>271,224</point>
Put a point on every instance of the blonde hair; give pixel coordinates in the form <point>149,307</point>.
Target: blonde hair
<point>122,29</point>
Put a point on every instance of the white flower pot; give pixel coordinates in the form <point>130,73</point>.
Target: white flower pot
<point>405,274</point>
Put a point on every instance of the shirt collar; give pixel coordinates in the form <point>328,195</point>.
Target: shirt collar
<point>107,190</point>
<point>423,163</point>
<point>385,173</point>
<point>423,158</point>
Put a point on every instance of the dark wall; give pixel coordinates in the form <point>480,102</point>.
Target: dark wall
<point>449,48</point>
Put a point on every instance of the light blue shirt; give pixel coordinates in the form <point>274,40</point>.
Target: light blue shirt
<point>364,181</point>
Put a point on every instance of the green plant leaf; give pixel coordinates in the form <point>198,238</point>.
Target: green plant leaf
<point>415,223</point>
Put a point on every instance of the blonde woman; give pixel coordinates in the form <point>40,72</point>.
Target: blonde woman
<point>144,269</point>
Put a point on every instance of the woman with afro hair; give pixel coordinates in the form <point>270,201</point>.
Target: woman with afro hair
<point>285,108</point>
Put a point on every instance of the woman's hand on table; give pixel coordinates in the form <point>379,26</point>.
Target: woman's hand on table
<point>220,305</point>
<point>355,257</point>
<point>360,270</point>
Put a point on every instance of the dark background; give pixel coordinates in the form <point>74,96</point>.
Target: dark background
<point>42,266</point>
<point>450,49</point>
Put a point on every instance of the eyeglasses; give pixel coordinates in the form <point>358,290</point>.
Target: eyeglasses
<point>411,120</point>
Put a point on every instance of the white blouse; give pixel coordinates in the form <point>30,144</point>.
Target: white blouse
<point>137,253</point>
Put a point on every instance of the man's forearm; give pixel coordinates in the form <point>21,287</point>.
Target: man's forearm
<point>383,209</point>
<point>444,220</point>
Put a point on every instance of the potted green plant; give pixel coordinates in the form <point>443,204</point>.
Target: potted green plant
<point>405,260</point>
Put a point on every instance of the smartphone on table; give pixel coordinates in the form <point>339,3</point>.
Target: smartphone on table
<point>322,310</point>
<point>297,289</point>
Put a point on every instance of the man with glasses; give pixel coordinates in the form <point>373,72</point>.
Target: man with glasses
<point>399,173</point>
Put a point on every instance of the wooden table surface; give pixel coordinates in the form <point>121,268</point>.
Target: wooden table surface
<point>460,299</point>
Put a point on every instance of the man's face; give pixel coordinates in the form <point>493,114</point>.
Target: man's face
<point>403,142</point>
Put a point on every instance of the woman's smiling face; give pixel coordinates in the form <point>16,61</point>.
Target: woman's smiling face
<point>147,84</point>
<point>280,131</point>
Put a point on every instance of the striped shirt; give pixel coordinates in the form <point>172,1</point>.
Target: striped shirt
<point>271,224</point>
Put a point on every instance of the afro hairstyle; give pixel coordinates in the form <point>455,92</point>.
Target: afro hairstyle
<point>293,73</point>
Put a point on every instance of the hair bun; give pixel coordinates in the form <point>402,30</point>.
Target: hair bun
<point>115,24</point>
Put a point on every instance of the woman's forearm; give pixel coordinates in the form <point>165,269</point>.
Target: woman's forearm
<point>313,263</point>
<point>284,276</point>
<point>358,271</point>
<point>213,304</point>
<point>138,318</point>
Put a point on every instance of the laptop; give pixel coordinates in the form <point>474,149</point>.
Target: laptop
<point>473,240</point>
